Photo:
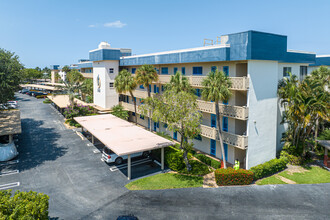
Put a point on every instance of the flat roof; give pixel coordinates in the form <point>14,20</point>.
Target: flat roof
<point>63,101</point>
<point>121,136</point>
<point>40,86</point>
<point>10,122</point>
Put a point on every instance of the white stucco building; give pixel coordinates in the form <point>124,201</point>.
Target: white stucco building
<point>255,62</point>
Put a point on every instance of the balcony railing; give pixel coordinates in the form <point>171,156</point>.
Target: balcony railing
<point>239,141</point>
<point>238,83</point>
<point>130,107</point>
<point>87,75</point>
<point>239,112</point>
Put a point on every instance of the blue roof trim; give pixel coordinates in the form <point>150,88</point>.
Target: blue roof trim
<point>322,61</point>
<point>207,55</point>
<point>105,54</point>
<point>85,65</point>
<point>249,45</point>
<point>54,67</point>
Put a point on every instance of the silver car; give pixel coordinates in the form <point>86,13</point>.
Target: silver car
<point>109,156</point>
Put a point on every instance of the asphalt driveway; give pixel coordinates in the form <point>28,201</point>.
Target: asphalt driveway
<point>56,161</point>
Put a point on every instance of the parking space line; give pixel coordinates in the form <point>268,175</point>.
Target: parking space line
<point>9,163</point>
<point>89,145</point>
<point>9,185</point>
<point>80,135</point>
<point>9,172</point>
<point>116,168</point>
<point>96,151</point>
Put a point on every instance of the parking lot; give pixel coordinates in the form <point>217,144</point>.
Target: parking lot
<point>57,161</point>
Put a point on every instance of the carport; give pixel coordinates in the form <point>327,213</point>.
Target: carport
<point>123,137</point>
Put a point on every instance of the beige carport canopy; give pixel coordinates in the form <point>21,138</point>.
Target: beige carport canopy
<point>123,137</point>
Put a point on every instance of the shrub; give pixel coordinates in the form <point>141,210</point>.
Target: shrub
<point>269,168</point>
<point>292,159</point>
<point>23,205</point>
<point>119,112</point>
<point>229,176</point>
<point>209,161</point>
<point>76,110</point>
<point>47,101</point>
<point>72,122</point>
<point>325,135</point>
<point>197,168</point>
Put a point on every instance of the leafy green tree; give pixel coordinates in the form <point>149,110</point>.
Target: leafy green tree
<point>179,110</point>
<point>125,82</point>
<point>145,75</point>
<point>119,112</point>
<point>87,90</point>
<point>216,89</point>
<point>179,83</point>
<point>66,69</point>
<point>10,75</point>
<point>30,74</point>
<point>23,205</point>
<point>74,76</point>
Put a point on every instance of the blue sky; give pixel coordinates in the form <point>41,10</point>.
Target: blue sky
<point>45,32</point>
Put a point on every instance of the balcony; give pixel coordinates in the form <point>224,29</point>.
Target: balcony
<point>130,107</point>
<point>87,75</point>
<point>138,94</point>
<point>239,141</point>
<point>238,83</point>
<point>238,112</point>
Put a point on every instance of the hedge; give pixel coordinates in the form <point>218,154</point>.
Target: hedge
<point>269,168</point>
<point>23,205</point>
<point>209,161</point>
<point>230,176</point>
<point>292,159</point>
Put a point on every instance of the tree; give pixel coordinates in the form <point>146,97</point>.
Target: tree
<point>125,82</point>
<point>10,75</point>
<point>145,75</point>
<point>30,74</point>
<point>66,69</point>
<point>72,84</point>
<point>119,112</point>
<point>179,83</point>
<point>87,90</point>
<point>179,110</point>
<point>216,89</point>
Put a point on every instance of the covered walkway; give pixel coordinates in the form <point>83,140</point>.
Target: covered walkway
<point>123,137</point>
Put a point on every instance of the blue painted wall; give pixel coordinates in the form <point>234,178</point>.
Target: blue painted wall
<point>105,54</point>
<point>320,61</point>
<point>85,65</point>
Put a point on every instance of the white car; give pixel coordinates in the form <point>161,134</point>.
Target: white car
<point>109,156</point>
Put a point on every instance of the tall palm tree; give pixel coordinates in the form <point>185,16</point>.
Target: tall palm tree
<point>145,75</point>
<point>179,83</point>
<point>125,82</point>
<point>216,89</point>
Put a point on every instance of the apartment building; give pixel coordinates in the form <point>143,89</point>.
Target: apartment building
<point>254,61</point>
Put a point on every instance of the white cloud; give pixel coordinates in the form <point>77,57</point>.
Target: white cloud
<point>92,25</point>
<point>115,24</point>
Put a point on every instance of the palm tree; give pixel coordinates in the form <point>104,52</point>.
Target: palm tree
<point>125,82</point>
<point>179,83</point>
<point>145,75</point>
<point>216,89</point>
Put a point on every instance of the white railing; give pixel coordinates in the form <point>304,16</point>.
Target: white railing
<point>87,75</point>
<point>239,141</point>
<point>130,107</point>
<point>238,83</point>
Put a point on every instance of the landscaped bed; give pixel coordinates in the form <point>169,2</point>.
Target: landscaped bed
<point>306,175</point>
<point>165,181</point>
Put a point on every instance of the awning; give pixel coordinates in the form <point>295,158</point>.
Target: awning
<point>121,136</point>
<point>51,88</point>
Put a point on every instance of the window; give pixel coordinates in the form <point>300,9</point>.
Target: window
<point>133,70</point>
<point>162,88</point>
<point>165,125</point>
<point>213,121</point>
<point>111,70</point>
<point>164,70</point>
<point>286,71</point>
<point>155,89</point>
<point>133,113</point>
<point>213,68</point>
<point>225,102</point>
<point>198,137</point>
<point>142,117</point>
<point>135,99</point>
<point>197,70</point>
<point>303,72</point>
<point>157,70</point>
<point>111,85</point>
<point>183,70</point>
<point>175,70</point>
<point>225,123</point>
<point>213,146</point>
<point>175,135</point>
<point>127,99</point>
<point>198,92</point>
<point>141,87</point>
<point>226,70</point>
<point>225,146</point>
<point>150,88</point>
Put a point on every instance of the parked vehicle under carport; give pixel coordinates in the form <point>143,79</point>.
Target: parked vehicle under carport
<point>109,156</point>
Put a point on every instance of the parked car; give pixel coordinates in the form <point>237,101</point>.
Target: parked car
<point>35,94</point>
<point>24,91</point>
<point>12,104</point>
<point>109,156</point>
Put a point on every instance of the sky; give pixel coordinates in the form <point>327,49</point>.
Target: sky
<point>48,32</point>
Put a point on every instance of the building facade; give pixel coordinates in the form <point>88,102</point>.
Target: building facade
<point>254,61</point>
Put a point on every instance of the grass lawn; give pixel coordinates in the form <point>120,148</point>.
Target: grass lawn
<point>270,180</point>
<point>165,181</point>
<point>313,175</point>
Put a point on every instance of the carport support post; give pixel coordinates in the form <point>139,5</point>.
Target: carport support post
<point>10,138</point>
<point>92,139</point>
<point>162,157</point>
<point>129,167</point>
